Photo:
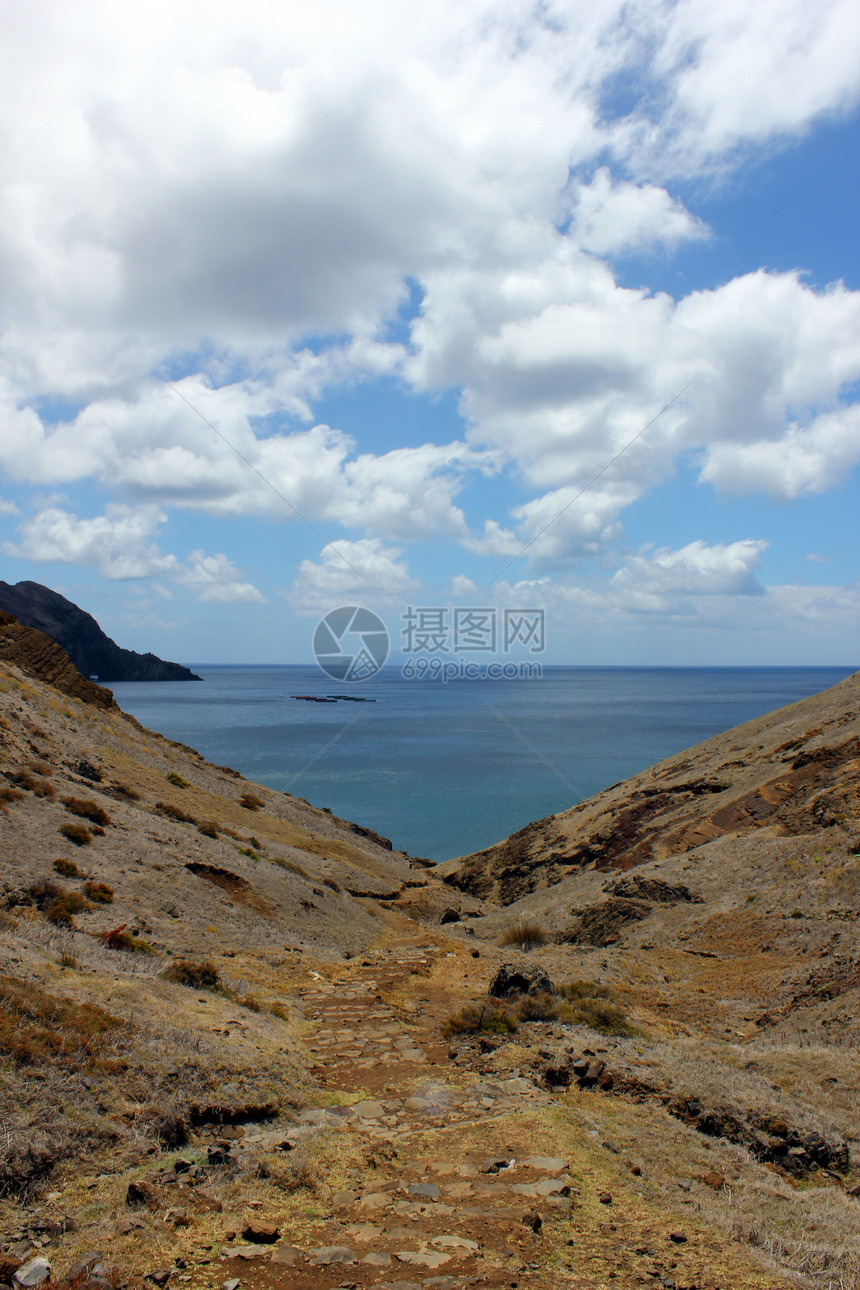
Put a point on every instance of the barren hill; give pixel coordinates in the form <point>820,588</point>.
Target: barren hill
<point>794,771</point>
<point>244,1042</point>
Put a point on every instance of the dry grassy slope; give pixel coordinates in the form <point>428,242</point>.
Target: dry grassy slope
<point>794,771</point>
<point>185,891</point>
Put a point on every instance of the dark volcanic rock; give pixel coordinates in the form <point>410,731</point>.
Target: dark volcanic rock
<point>605,924</point>
<point>93,653</point>
<point>511,980</point>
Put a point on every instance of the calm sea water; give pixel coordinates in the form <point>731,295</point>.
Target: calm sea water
<point>443,770</point>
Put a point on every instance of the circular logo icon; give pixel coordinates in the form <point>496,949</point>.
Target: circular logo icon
<point>351,643</point>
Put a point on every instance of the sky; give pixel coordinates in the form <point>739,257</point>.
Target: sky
<point>491,303</point>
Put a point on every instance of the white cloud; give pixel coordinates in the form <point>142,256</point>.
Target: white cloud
<point>214,577</point>
<point>118,544</point>
<point>665,581</point>
<point>247,189</point>
<point>365,571</point>
<point>615,217</point>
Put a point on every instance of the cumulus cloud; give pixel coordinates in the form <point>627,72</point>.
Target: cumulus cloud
<point>615,217</point>
<point>665,580</point>
<point>366,572</point>
<point>118,544</point>
<point>241,194</point>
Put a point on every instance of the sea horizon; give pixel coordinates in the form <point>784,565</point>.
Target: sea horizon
<point>444,769</point>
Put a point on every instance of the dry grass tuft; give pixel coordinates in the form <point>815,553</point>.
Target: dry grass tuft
<point>99,893</point>
<point>87,809</point>
<point>173,777</point>
<point>198,976</point>
<point>67,869</point>
<point>292,1173</point>
<point>32,783</point>
<point>120,939</point>
<point>481,1018</point>
<point>251,802</point>
<point>525,933</point>
<point>76,833</point>
<point>174,813</point>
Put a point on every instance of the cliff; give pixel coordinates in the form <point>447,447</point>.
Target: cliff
<point>40,657</point>
<point>93,653</point>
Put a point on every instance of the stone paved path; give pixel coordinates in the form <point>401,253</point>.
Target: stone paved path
<point>459,1188</point>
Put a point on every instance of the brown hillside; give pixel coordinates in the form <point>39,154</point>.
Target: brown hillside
<point>238,1044</point>
<point>38,656</point>
<point>792,772</point>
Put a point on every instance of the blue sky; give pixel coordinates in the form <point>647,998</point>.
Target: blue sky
<point>427,274</point>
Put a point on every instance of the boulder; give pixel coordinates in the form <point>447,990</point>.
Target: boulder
<point>33,1273</point>
<point>511,980</point>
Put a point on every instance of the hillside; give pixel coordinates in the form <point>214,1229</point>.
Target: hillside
<point>93,653</point>
<point>245,1041</point>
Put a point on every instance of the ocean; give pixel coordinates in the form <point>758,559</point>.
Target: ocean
<point>446,769</point>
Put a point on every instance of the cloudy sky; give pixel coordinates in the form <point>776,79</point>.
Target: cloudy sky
<point>313,303</point>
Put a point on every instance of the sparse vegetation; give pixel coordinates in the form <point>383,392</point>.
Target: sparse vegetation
<point>173,777</point>
<point>293,1173</point>
<point>251,802</point>
<point>481,1018</point>
<point>247,851</point>
<point>76,833</point>
<point>120,939</point>
<point>249,1002</point>
<point>292,867</point>
<point>99,893</point>
<point>330,882</point>
<point>9,795</point>
<point>525,933</point>
<point>198,976</point>
<point>32,783</point>
<point>208,828</point>
<point>67,869</point>
<point>87,810</point>
<point>174,813</point>
<point>129,793</point>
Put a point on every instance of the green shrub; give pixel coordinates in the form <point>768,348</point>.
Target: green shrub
<point>77,834</point>
<point>574,990</point>
<point>597,1014</point>
<point>173,777</point>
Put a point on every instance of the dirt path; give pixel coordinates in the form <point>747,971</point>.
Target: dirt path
<point>461,1181</point>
